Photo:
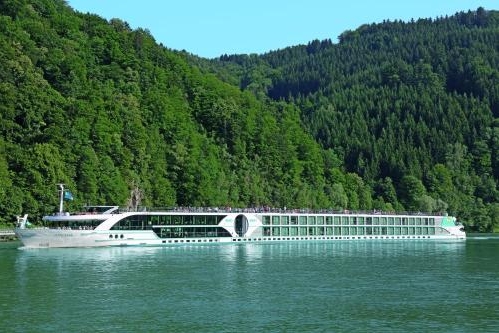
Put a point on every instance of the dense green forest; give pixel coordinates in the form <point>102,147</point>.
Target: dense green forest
<point>396,116</point>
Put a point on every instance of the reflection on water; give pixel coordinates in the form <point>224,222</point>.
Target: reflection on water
<point>330,286</point>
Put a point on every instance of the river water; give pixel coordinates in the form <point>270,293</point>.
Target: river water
<point>350,286</point>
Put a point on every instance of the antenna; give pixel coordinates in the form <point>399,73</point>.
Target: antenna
<point>61,198</point>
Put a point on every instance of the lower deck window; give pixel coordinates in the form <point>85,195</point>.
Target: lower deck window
<point>191,232</point>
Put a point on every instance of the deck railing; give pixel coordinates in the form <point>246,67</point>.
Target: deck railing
<point>271,210</point>
<point>7,234</point>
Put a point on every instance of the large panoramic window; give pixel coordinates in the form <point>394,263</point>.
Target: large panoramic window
<point>143,222</point>
<point>191,232</point>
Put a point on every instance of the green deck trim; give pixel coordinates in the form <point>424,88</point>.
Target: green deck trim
<point>448,221</point>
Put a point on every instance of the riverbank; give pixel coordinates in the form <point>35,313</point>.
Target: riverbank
<point>482,234</point>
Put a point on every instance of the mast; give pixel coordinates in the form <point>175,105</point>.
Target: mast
<point>61,198</point>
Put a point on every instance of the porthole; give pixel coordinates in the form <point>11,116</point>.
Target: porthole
<point>110,236</point>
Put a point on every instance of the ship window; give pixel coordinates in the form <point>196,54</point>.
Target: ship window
<point>191,232</point>
<point>284,219</point>
<point>320,220</point>
<point>311,220</point>
<point>200,220</point>
<point>275,220</point>
<point>266,220</point>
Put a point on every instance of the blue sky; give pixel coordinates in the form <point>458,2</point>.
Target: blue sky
<point>210,28</point>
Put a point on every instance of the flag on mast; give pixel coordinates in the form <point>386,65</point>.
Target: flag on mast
<point>68,195</point>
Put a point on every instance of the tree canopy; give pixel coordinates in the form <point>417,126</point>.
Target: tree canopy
<point>395,116</point>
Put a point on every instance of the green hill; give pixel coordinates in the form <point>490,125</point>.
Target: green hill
<point>396,116</point>
<point>411,107</point>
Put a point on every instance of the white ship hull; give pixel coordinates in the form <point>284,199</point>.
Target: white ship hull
<point>50,238</point>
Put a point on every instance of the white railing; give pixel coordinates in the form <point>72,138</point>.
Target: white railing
<point>6,233</point>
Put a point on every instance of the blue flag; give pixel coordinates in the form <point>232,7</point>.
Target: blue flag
<point>68,195</point>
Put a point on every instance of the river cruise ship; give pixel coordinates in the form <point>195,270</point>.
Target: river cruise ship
<point>112,226</point>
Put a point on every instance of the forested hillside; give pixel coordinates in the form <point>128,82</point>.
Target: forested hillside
<point>108,111</point>
<point>396,116</point>
<point>410,107</point>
